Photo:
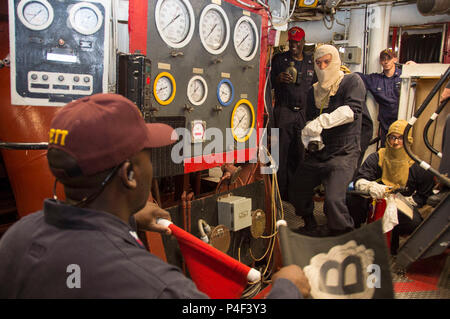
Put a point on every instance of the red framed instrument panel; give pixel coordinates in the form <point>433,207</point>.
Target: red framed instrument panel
<point>137,27</point>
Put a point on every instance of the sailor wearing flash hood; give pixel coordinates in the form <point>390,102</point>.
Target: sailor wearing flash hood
<point>334,113</point>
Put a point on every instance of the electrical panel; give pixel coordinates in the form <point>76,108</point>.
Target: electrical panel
<point>351,55</point>
<point>133,80</point>
<point>208,67</point>
<point>235,212</point>
<point>59,50</point>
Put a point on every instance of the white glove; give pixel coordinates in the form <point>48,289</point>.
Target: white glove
<point>312,128</point>
<point>342,115</point>
<point>374,189</point>
<point>377,191</point>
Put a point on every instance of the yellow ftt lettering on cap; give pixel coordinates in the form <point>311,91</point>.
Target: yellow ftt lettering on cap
<point>63,136</point>
<point>54,134</point>
<point>51,133</point>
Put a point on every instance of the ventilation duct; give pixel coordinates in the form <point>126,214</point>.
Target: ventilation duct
<point>433,7</point>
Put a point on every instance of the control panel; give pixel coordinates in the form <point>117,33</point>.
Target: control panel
<point>208,67</point>
<point>59,50</point>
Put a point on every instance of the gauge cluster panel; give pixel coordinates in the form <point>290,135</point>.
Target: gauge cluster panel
<point>59,50</point>
<point>208,66</point>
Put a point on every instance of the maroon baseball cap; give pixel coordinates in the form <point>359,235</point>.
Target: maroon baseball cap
<point>296,34</point>
<point>103,130</point>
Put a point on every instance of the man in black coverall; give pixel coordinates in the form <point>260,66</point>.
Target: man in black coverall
<point>332,138</point>
<point>99,149</point>
<point>290,103</point>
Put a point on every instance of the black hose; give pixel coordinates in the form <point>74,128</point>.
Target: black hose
<point>427,127</point>
<point>444,179</point>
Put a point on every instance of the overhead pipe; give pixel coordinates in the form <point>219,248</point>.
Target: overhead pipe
<point>433,7</point>
<point>365,2</point>
<point>403,14</point>
<point>407,15</point>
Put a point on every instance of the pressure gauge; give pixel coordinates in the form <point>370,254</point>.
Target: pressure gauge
<point>242,120</point>
<point>245,38</point>
<point>214,29</point>
<point>308,3</point>
<point>85,18</point>
<point>164,88</point>
<point>175,21</point>
<point>35,14</point>
<point>225,92</point>
<point>197,90</point>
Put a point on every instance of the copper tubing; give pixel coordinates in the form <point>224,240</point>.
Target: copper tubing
<point>183,208</point>
<point>190,197</point>
<point>183,213</point>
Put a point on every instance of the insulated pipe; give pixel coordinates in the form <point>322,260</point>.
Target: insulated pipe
<point>387,23</point>
<point>401,15</point>
<point>406,15</point>
<point>355,36</point>
<point>377,15</point>
<point>316,32</point>
<point>432,7</point>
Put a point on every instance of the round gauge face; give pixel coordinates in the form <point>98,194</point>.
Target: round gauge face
<point>245,38</point>
<point>35,14</point>
<point>309,2</point>
<point>85,18</point>
<point>175,22</point>
<point>242,120</point>
<point>214,29</point>
<point>197,90</point>
<point>164,88</point>
<point>225,92</point>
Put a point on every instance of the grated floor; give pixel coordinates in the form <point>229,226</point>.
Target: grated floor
<point>407,285</point>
